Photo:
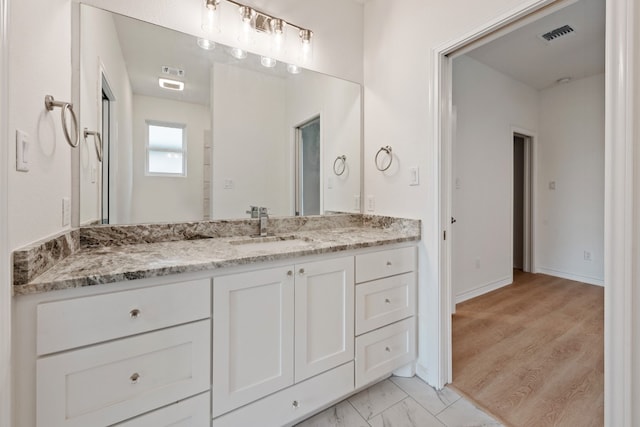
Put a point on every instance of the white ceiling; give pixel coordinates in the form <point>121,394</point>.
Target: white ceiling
<point>526,57</point>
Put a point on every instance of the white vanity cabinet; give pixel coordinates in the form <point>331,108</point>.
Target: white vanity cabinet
<point>385,312</point>
<point>107,358</point>
<point>276,327</point>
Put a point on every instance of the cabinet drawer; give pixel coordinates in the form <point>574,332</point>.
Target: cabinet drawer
<point>385,301</point>
<point>193,412</point>
<point>108,383</point>
<point>380,352</point>
<point>293,403</point>
<point>377,265</point>
<point>67,324</point>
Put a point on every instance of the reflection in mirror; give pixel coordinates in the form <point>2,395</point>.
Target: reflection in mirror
<point>220,135</point>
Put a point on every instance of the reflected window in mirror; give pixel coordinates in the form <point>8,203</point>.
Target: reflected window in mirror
<point>166,149</point>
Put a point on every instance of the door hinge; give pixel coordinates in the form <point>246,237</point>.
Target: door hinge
<point>445,235</point>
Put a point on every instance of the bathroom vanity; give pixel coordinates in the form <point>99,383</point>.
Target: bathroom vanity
<point>200,324</point>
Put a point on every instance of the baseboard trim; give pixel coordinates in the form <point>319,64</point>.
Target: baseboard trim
<point>483,289</point>
<point>570,276</point>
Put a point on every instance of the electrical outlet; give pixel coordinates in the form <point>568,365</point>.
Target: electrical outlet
<point>66,211</point>
<point>228,184</point>
<point>587,256</point>
<point>552,185</point>
<point>330,183</point>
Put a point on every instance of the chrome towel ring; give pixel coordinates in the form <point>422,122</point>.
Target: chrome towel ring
<point>387,150</point>
<point>339,165</point>
<point>50,104</point>
<point>97,140</point>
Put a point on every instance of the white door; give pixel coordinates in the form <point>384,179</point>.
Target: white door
<point>324,327</point>
<point>252,336</point>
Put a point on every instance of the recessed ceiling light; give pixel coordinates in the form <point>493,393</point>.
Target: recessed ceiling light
<point>170,84</point>
<point>206,44</point>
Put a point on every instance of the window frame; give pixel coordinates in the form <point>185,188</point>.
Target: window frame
<point>159,123</point>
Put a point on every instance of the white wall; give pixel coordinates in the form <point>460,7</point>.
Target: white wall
<point>181,197</point>
<point>399,81</point>
<point>100,53</point>
<point>255,157</point>
<point>339,104</point>
<point>571,153</point>
<point>488,105</point>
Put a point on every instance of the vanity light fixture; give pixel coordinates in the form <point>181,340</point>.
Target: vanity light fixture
<point>254,21</point>
<point>211,16</point>
<point>206,44</point>
<point>268,62</point>
<point>171,84</point>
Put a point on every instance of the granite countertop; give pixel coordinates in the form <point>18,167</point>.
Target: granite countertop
<point>137,252</point>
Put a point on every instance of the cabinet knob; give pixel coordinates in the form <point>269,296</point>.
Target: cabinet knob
<point>289,273</point>
<point>387,301</point>
<point>134,378</point>
<point>301,271</point>
<point>387,349</point>
<point>295,404</point>
<point>389,263</point>
<point>135,313</point>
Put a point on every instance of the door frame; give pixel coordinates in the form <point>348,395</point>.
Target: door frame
<point>619,196</point>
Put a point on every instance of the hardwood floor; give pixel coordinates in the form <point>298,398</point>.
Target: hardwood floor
<point>532,353</point>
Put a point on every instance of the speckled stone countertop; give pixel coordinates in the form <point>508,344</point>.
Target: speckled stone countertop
<point>106,254</point>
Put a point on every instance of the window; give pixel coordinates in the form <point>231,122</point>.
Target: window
<point>166,149</point>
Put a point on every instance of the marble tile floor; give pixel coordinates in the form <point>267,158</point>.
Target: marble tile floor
<point>402,402</point>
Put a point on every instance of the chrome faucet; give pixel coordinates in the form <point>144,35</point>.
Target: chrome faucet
<point>264,216</point>
<point>254,211</point>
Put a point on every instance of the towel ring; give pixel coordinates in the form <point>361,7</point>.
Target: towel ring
<point>339,165</point>
<point>387,150</point>
<point>97,140</point>
<point>50,104</point>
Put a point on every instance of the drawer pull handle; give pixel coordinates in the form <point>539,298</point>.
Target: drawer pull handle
<point>387,301</point>
<point>387,349</point>
<point>295,404</point>
<point>301,271</point>
<point>135,313</point>
<point>134,378</point>
<point>289,273</point>
<point>389,263</point>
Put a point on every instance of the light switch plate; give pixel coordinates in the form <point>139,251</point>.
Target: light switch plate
<point>414,176</point>
<point>22,151</point>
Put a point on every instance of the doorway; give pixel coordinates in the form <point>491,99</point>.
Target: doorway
<point>523,201</point>
<point>308,168</point>
<point>106,122</point>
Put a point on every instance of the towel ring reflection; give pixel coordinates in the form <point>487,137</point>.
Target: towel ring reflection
<point>339,165</point>
<point>387,150</point>
<point>97,140</point>
<point>50,104</point>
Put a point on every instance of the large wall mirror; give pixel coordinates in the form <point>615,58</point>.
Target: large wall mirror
<point>237,134</point>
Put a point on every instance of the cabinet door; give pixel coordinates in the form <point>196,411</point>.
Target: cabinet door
<point>252,336</point>
<point>324,327</point>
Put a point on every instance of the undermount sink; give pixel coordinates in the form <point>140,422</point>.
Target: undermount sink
<point>271,242</point>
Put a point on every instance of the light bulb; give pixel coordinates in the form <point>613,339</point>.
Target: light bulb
<point>306,49</point>
<point>268,62</point>
<point>238,53</point>
<point>278,34</point>
<point>246,28</point>
<point>211,16</point>
<point>293,69</point>
<point>206,44</point>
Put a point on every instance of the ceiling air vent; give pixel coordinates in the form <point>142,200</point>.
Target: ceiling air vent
<point>557,33</point>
